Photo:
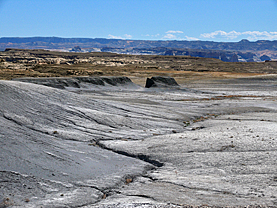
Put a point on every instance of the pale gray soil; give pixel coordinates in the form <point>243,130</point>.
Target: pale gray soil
<point>211,143</point>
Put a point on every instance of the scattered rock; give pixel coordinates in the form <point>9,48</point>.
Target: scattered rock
<point>128,180</point>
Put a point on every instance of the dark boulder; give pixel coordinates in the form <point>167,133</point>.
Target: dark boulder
<point>161,82</point>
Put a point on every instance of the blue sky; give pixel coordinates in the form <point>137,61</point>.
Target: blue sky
<point>213,20</point>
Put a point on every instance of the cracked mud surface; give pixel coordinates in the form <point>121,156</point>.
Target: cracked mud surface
<point>210,143</point>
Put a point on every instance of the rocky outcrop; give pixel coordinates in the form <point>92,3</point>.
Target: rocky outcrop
<point>77,82</point>
<point>161,82</point>
<point>85,82</point>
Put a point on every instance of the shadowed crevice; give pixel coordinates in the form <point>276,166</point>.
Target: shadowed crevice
<point>142,157</point>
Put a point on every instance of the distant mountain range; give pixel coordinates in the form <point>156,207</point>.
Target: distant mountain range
<point>244,50</point>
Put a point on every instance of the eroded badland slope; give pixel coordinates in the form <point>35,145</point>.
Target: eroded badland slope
<point>103,141</point>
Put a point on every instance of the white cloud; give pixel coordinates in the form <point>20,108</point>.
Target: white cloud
<point>147,35</point>
<point>174,31</point>
<point>176,37</point>
<point>126,36</point>
<point>254,35</point>
<point>250,35</point>
<point>191,38</point>
<point>114,37</point>
<point>229,35</point>
<point>169,36</point>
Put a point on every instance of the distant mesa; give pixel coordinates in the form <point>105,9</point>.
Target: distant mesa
<point>244,41</point>
<point>161,82</point>
<point>223,57</point>
<point>76,49</point>
<point>206,49</point>
<point>234,58</point>
<point>227,56</point>
<point>265,58</point>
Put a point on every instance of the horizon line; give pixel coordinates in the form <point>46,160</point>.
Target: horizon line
<point>244,39</point>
